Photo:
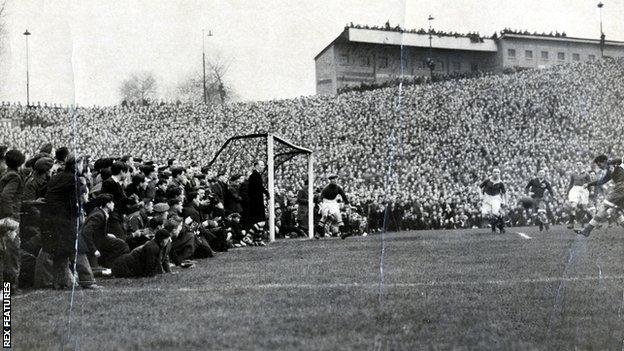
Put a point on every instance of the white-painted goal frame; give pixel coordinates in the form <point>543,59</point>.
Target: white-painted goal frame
<point>271,182</point>
<point>270,163</point>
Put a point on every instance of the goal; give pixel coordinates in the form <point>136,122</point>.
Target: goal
<point>238,153</point>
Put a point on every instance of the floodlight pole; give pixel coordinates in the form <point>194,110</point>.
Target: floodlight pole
<point>27,34</point>
<point>602,35</point>
<point>204,62</point>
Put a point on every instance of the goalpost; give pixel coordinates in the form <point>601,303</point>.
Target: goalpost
<point>270,141</point>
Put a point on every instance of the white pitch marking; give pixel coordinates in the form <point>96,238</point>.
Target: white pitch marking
<point>524,235</point>
<point>345,285</point>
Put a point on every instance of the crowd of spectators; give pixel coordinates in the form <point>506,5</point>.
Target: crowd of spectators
<point>420,80</point>
<point>121,216</point>
<point>526,32</point>
<point>418,151</point>
<point>473,36</point>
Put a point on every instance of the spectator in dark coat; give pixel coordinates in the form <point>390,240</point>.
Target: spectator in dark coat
<point>146,260</point>
<point>11,190</point>
<point>11,185</point>
<point>302,206</point>
<point>60,216</point>
<point>219,187</point>
<point>124,205</point>
<point>138,220</point>
<point>255,193</point>
<point>183,243</point>
<point>92,229</point>
<point>97,227</point>
<point>60,156</point>
<point>34,190</point>
<point>193,208</point>
<point>151,175</point>
<point>138,187</point>
<point>233,200</point>
<point>45,151</point>
<point>35,186</point>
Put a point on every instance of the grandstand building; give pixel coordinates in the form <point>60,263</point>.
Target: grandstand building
<point>373,55</point>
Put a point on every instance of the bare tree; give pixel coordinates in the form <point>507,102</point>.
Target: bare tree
<point>140,88</point>
<point>218,91</point>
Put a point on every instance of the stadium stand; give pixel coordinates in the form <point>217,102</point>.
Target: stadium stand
<point>442,138</point>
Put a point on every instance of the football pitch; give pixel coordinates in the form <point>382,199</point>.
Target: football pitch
<point>458,289</point>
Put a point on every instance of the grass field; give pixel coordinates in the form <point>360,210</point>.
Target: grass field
<point>467,289</point>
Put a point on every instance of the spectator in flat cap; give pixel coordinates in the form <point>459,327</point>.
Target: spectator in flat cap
<point>161,210</point>
<point>45,151</point>
<point>35,186</point>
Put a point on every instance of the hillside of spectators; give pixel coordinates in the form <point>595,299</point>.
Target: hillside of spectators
<point>421,149</point>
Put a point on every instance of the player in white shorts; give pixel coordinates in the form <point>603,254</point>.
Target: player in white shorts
<point>578,195</point>
<point>329,206</point>
<point>614,198</point>
<point>493,196</point>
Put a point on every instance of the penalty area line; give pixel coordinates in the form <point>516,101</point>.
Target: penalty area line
<point>524,235</point>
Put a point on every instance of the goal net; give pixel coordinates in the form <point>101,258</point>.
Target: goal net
<point>287,175</point>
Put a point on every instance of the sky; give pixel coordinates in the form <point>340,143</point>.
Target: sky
<point>81,51</point>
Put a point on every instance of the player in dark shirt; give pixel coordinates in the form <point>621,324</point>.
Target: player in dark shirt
<point>614,199</point>
<point>493,194</point>
<point>536,189</point>
<point>330,208</point>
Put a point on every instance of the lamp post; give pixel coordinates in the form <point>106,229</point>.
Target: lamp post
<point>430,61</point>
<point>27,34</point>
<point>204,62</point>
<point>602,35</point>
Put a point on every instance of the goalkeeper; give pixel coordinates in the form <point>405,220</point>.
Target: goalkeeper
<point>329,206</point>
